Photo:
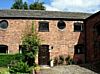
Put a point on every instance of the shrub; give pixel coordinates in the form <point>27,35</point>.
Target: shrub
<point>56,61</point>
<point>5,59</point>
<point>61,59</point>
<point>69,60</point>
<point>37,67</point>
<point>4,70</point>
<point>19,67</point>
<point>30,43</point>
<point>19,57</point>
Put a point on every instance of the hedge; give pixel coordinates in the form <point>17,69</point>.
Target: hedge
<point>5,59</point>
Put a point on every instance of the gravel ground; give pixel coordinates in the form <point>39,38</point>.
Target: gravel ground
<point>69,69</point>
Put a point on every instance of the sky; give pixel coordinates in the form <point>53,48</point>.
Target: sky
<point>88,6</point>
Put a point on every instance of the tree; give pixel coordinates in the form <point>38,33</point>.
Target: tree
<point>25,6</point>
<point>37,6</point>
<point>23,62</point>
<point>17,5</point>
<point>34,6</point>
<point>30,44</point>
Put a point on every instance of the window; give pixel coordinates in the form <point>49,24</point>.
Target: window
<point>79,49</point>
<point>98,29</point>
<point>22,48</point>
<point>43,26</point>
<point>3,24</point>
<point>78,27</point>
<point>3,48</point>
<point>61,24</point>
<point>97,48</point>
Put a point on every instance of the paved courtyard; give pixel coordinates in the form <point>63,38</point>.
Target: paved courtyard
<point>69,69</point>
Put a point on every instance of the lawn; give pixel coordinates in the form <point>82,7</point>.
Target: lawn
<point>4,70</point>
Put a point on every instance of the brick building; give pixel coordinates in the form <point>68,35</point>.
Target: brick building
<point>62,33</point>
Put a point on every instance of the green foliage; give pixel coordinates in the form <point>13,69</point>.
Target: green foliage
<point>5,59</point>
<point>4,70</point>
<point>37,68</point>
<point>20,67</point>
<point>23,62</point>
<point>37,6</point>
<point>19,57</point>
<point>17,5</point>
<point>56,60</point>
<point>61,59</point>
<point>25,6</point>
<point>69,60</point>
<point>30,44</point>
<point>34,6</point>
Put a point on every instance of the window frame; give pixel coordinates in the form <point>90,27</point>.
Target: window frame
<point>97,29</point>
<point>6,23</point>
<point>61,25</point>
<point>44,24</point>
<point>4,50</point>
<point>76,49</point>
<point>78,24</point>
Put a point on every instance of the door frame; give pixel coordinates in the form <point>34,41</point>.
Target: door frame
<point>47,55</point>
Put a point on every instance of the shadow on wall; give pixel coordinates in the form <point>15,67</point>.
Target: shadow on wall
<point>81,56</point>
<point>79,48</point>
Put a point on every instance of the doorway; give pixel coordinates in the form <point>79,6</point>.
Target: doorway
<point>44,55</point>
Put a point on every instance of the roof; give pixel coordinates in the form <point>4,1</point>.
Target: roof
<point>94,15</point>
<point>13,13</point>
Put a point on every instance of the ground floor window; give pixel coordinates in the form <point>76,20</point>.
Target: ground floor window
<point>22,48</point>
<point>3,49</point>
<point>79,49</point>
<point>96,48</point>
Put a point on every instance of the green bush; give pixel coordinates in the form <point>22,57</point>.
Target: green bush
<point>61,59</point>
<point>56,61</point>
<point>69,60</point>
<point>5,59</point>
<point>4,70</point>
<point>19,67</point>
<point>19,57</point>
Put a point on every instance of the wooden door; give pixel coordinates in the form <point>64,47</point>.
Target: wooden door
<point>44,55</point>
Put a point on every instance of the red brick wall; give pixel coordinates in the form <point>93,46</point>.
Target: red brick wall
<point>12,35</point>
<point>90,36</point>
<point>62,41</point>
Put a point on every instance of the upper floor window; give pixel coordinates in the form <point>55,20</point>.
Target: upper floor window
<point>78,27</point>
<point>61,24</point>
<point>44,26</point>
<point>98,29</point>
<point>3,24</point>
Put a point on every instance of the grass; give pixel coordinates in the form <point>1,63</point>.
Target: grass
<point>4,70</point>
